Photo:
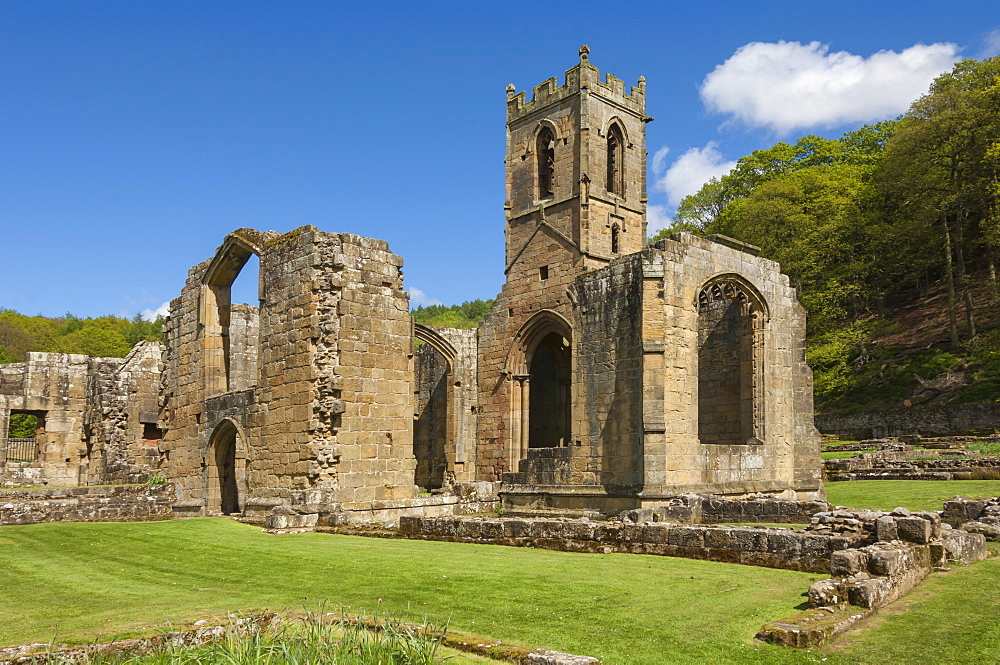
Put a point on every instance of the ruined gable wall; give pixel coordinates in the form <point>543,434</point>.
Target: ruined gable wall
<point>329,419</point>
<point>788,460</point>
<point>122,397</point>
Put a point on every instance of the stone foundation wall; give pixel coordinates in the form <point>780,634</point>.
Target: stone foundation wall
<point>756,546</point>
<point>875,466</point>
<point>129,503</point>
<point>921,420</point>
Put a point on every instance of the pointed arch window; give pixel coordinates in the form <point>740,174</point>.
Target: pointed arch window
<point>615,161</point>
<point>545,150</point>
<point>731,340</point>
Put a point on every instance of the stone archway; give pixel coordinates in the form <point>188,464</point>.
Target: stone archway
<point>216,314</point>
<point>540,369</point>
<point>226,476</point>
<point>435,421</point>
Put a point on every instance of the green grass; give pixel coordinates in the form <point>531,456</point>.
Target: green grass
<point>912,494</point>
<point>316,639</point>
<point>833,454</point>
<point>83,578</point>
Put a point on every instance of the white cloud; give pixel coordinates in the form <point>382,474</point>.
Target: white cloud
<point>789,85</point>
<point>657,219</point>
<point>692,170</point>
<point>659,158</point>
<point>419,298</point>
<point>151,314</point>
<point>991,45</point>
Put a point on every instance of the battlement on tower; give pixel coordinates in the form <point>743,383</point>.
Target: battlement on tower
<point>584,77</point>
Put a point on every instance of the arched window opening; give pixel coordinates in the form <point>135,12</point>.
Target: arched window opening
<point>430,426</point>
<point>614,239</point>
<point>229,329</point>
<point>615,161</point>
<point>549,403</point>
<point>730,365</point>
<point>546,154</point>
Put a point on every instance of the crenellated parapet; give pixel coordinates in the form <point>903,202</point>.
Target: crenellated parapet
<point>583,78</point>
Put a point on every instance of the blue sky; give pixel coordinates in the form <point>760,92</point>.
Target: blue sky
<point>135,135</point>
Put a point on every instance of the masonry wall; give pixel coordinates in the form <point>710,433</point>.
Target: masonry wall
<point>786,461</point>
<point>121,417</point>
<point>923,420</point>
<point>54,384</point>
<point>322,410</point>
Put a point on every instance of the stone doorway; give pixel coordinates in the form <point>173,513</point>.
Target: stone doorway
<point>548,404</point>
<point>224,482</point>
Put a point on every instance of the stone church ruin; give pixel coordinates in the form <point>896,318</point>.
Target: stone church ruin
<point>611,375</point>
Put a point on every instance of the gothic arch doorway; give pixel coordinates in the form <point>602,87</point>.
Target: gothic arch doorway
<point>225,477</point>
<point>548,403</point>
<point>541,369</point>
<point>435,417</point>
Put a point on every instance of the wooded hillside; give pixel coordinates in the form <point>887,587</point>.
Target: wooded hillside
<point>105,336</point>
<point>891,234</point>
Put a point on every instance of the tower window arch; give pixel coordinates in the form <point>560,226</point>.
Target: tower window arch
<point>545,150</point>
<point>615,241</point>
<point>616,160</point>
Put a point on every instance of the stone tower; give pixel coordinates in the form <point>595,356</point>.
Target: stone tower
<point>575,201</point>
<point>576,174</point>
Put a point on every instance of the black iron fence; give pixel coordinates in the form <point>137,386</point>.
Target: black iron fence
<point>18,450</point>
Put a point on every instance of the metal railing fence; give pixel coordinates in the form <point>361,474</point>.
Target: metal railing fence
<point>18,450</point>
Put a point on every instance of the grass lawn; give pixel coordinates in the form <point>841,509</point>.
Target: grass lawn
<point>83,578</point>
<point>912,494</point>
<point>833,454</point>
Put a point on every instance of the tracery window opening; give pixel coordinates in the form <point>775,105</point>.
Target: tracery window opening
<point>730,365</point>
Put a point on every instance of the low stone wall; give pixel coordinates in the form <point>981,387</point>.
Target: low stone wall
<point>976,516</point>
<point>882,466</point>
<point>923,420</point>
<point>711,509</point>
<point>755,546</point>
<point>125,503</point>
<point>478,497</point>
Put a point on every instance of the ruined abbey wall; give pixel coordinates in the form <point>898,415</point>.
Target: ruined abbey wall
<point>312,388</point>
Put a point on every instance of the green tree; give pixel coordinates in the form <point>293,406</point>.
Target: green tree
<point>940,170</point>
<point>467,315</point>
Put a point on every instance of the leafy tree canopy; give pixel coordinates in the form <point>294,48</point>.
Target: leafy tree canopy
<point>467,315</point>
<point>106,336</point>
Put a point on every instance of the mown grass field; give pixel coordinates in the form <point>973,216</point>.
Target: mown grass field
<point>81,579</point>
